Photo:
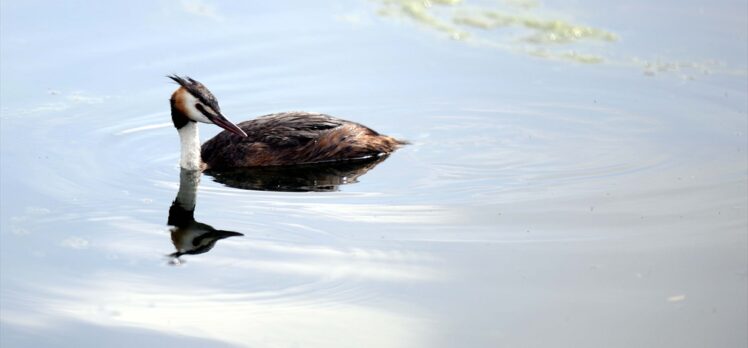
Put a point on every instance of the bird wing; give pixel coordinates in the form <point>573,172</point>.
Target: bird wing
<point>289,128</point>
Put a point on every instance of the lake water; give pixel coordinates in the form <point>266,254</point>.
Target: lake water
<point>577,175</point>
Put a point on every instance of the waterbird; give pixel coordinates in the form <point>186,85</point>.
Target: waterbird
<point>280,139</point>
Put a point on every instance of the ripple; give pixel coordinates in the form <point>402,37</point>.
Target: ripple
<point>503,152</point>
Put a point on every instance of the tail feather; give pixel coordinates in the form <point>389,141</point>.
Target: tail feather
<point>402,141</point>
<point>389,144</point>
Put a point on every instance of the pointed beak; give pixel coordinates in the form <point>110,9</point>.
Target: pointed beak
<point>222,122</point>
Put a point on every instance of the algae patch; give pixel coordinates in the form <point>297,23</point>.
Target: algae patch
<point>543,31</point>
<point>421,13</point>
<point>522,27</point>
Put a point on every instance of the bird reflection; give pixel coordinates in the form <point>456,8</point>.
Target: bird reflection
<point>189,236</point>
<point>320,177</point>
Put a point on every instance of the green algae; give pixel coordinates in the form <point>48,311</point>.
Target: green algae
<point>570,56</point>
<point>557,31</point>
<point>543,30</point>
<point>522,27</point>
<point>470,23</point>
<point>421,13</point>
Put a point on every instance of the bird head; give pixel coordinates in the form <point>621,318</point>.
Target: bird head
<point>193,102</point>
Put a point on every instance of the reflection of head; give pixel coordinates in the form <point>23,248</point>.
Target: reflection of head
<point>197,238</point>
<point>189,236</point>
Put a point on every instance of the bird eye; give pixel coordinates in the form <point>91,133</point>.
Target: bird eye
<point>207,111</point>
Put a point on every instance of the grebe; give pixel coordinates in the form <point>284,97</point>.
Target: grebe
<point>287,138</point>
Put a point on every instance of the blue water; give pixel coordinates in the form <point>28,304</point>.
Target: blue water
<point>569,194</point>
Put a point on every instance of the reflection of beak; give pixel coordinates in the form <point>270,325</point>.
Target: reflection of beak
<point>213,236</point>
<point>220,234</point>
<point>222,122</point>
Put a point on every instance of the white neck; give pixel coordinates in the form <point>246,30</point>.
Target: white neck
<point>190,140</point>
<point>187,195</point>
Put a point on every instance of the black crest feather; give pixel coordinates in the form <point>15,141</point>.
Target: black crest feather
<point>197,89</point>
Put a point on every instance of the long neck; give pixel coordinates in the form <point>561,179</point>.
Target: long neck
<point>190,140</point>
<point>182,210</point>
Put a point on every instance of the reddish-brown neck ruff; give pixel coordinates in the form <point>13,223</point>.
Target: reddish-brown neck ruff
<point>185,107</point>
<point>178,115</point>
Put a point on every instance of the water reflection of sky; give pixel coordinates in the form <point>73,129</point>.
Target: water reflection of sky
<point>543,199</point>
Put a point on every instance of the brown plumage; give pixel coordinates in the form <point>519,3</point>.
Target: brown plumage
<point>288,138</point>
<point>291,138</point>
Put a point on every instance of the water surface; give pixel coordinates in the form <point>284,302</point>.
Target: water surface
<point>577,175</point>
